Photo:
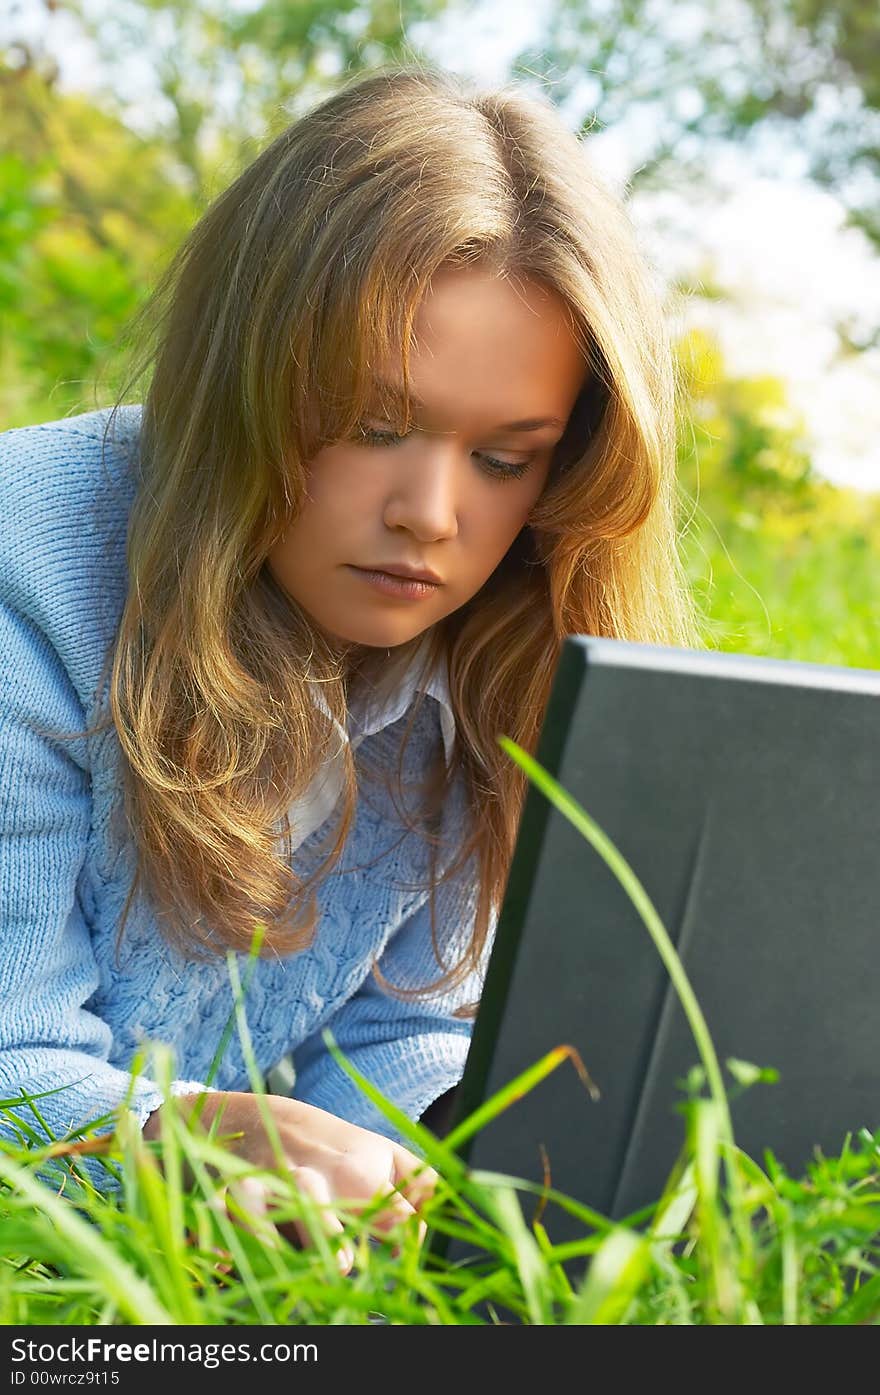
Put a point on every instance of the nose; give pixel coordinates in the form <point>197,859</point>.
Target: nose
<point>424,494</point>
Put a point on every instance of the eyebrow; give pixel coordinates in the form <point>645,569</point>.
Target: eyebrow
<point>527,424</point>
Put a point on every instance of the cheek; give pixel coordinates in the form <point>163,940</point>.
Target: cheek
<point>528,493</point>
<point>528,500</point>
<point>338,486</point>
<point>538,480</point>
<point>502,527</point>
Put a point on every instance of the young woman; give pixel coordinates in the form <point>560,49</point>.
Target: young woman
<point>415,338</point>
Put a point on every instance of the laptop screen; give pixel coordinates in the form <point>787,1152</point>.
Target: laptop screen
<point>743,792</point>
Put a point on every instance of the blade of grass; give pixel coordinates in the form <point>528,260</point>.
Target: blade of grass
<point>619,1268</point>
<point>166,1253</point>
<point>530,1265</point>
<point>91,1253</point>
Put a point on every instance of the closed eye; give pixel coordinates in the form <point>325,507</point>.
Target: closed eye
<point>499,469</point>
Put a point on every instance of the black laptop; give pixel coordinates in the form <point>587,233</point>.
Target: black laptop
<point>744,793</point>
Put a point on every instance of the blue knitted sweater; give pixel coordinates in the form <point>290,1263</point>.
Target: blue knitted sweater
<point>71,1016</point>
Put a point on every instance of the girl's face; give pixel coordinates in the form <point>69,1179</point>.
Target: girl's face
<point>495,373</point>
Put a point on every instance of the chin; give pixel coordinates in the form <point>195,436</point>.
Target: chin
<point>374,639</point>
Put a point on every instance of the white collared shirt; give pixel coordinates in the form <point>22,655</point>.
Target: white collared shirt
<point>366,717</point>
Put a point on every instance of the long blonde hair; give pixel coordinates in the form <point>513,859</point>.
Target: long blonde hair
<point>299,278</point>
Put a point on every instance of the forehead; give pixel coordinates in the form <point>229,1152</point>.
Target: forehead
<point>393,394</point>
<point>490,349</point>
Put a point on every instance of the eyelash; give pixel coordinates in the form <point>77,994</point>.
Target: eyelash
<point>501,469</point>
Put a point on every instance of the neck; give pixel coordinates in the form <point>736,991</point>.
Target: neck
<point>371,667</point>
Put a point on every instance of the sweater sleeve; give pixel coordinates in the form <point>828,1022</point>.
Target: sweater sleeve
<point>49,1039</point>
<point>413,1051</point>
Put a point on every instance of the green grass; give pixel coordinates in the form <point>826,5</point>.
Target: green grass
<point>732,1241</point>
<point>814,599</point>
<point>781,561</point>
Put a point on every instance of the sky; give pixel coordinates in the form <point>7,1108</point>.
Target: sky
<point>777,246</point>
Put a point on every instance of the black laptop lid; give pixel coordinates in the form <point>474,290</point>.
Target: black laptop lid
<point>744,794</point>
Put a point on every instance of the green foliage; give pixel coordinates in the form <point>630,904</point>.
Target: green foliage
<point>730,1242</point>
<point>272,56</point>
<point>850,32</point>
<point>90,211</point>
<point>24,212</point>
<point>782,563</point>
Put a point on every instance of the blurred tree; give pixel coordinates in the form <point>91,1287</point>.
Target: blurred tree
<point>699,73</point>
<point>90,209</point>
<point>781,562</point>
<point>231,77</point>
<point>87,212</point>
<point>725,70</point>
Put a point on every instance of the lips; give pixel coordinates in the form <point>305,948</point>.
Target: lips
<point>407,588</point>
<point>406,573</point>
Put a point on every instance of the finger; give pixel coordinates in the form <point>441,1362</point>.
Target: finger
<point>250,1208</point>
<point>389,1211</point>
<point>393,1211</point>
<point>314,1185</point>
<point>416,1188</point>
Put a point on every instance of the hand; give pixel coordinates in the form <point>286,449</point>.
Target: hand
<point>329,1159</point>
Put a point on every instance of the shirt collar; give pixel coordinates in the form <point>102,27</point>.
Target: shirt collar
<point>371,712</point>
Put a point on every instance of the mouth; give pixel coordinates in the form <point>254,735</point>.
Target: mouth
<point>407,573</point>
<point>393,584</point>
